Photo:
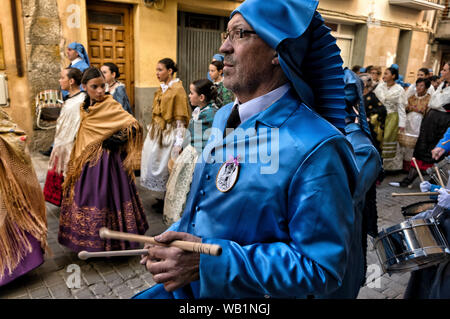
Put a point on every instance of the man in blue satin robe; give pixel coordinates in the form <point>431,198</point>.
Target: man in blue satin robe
<point>287,223</point>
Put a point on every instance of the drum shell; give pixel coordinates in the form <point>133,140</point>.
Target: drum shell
<point>411,245</point>
<point>49,104</point>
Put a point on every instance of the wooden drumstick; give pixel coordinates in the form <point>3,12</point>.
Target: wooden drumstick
<point>208,249</point>
<point>418,169</point>
<point>439,176</point>
<point>443,143</point>
<point>414,194</point>
<point>83,255</point>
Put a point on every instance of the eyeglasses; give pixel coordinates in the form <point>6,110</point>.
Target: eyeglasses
<point>234,33</point>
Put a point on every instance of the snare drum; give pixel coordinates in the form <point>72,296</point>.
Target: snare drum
<point>48,104</point>
<point>416,208</point>
<point>411,245</point>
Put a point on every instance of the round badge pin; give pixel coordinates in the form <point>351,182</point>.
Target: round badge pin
<point>227,175</point>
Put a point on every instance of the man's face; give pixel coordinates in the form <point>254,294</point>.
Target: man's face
<point>248,60</point>
<point>71,54</point>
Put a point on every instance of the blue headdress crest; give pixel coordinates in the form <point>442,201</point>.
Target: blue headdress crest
<point>308,53</point>
<point>354,87</point>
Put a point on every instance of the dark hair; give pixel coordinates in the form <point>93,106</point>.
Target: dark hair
<point>206,87</point>
<point>356,68</point>
<point>369,68</point>
<point>394,72</point>
<point>91,73</point>
<point>75,74</point>
<point>434,78</point>
<point>169,64</point>
<point>426,81</point>
<point>218,65</point>
<point>113,68</point>
<point>425,71</point>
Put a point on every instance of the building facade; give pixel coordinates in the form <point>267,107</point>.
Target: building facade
<point>136,34</point>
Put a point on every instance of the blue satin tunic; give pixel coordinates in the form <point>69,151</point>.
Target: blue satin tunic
<point>286,228</point>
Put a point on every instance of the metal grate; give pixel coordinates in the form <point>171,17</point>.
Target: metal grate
<point>195,50</point>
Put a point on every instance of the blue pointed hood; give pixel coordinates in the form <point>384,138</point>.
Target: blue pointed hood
<point>308,52</point>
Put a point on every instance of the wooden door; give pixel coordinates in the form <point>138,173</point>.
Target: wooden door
<point>110,39</point>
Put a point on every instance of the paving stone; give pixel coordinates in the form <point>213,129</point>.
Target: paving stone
<point>400,289</point>
<point>54,279</point>
<point>39,293</point>
<point>15,294</point>
<point>135,283</point>
<point>123,290</point>
<point>100,289</point>
<point>92,277</point>
<point>148,278</point>
<point>126,272</point>
<point>367,293</point>
<point>84,293</point>
<point>391,293</point>
<point>60,292</point>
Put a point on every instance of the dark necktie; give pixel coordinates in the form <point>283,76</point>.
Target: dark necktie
<point>233,120</point>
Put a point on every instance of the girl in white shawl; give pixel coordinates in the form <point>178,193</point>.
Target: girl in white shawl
<point>393,97</point>
<point>66,129</point>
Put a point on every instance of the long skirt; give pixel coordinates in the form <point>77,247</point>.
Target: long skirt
<point>29,262</point>
<point>392,158</point>
<point>407,140</point>
<point>179,184</point>
<point>105,196</point>
<point>155,157</point>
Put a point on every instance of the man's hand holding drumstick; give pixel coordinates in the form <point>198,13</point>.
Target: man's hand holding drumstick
<point>172,266</point>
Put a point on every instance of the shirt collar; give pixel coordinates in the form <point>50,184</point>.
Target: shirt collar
<point>76,61</point>
<point>164,87</point>
<point>259,104</point>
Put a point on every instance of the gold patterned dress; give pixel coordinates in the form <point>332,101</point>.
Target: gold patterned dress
<point>170,107</point>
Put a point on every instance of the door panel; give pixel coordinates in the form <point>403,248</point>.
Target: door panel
<point>110,39</point>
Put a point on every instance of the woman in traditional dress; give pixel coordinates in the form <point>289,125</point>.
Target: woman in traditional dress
<point>66,129</point>
<point>99,189</point>
<point>23,223</point>
<point>434,125</point>
<point>224,96</point>
<point>375,111</point>
<point>170,116</point>
<point>423,73</point>
<point>116,88</point>
<point>202,94</point>
<point>393,97</point>
<point>415,110</point>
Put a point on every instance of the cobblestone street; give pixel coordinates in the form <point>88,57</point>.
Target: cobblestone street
<point>122,277</point>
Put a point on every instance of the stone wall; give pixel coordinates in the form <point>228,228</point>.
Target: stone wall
<point>42,40</point>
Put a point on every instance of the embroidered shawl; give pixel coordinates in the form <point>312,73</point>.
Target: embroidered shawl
<point>99,122</point>
<point>22,205</point>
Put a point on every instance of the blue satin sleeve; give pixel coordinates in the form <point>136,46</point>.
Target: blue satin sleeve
<point>319,222</point>
<point>446,137</point>
<point>367,158</point>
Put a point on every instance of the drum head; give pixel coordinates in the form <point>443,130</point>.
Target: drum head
<point>411,245</point>
<point>417,208</point>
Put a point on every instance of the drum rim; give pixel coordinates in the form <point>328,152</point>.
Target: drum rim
<point>407,224</point>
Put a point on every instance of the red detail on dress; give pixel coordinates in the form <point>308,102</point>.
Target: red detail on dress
<point>53,188</point>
